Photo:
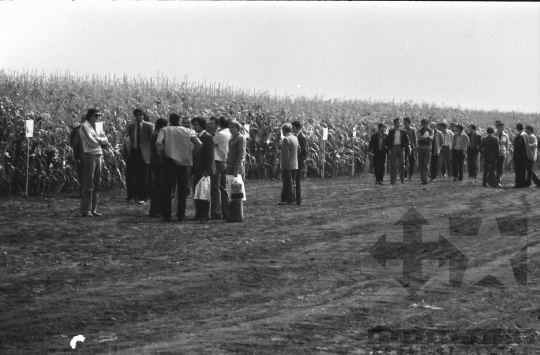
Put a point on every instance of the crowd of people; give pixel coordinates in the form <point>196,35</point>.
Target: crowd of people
<point>171,159</point>
<point>174,156</point>
<point>441,152</point>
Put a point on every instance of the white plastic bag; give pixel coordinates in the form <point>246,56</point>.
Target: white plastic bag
<point>236,188</point>
<point>202,190</point>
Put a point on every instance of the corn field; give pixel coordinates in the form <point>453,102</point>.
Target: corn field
<point>55,102</point>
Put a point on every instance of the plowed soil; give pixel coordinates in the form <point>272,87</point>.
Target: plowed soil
<point>289,280</point>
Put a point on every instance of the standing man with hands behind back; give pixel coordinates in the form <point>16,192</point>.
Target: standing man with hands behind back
<point>289,164</point>
<point>489,148</point>
<point>138,157</point>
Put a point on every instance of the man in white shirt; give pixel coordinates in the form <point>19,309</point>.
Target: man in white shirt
<point>504,145</point>
<point>174,143</point>
<point>445,157</point>
<point>218,181</point>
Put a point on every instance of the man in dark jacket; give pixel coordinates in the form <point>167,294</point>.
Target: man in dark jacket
<point>203,165</point>
<point>489,148</point>
<point>521,156</point>
<point>397,143</point>
<point>137,154</point>
<point>377,146</point>
<point>302,156</point>
<point>475,140</point>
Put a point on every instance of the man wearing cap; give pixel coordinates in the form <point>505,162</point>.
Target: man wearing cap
<point>137,146</point>
<point>489,148</point>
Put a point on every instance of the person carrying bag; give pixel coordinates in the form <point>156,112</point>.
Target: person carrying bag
<point>202,190</point>
<point>235,169</point>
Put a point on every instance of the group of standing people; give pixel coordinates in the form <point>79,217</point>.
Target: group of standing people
<point>176,154</point>
<point>441,152</point>
<point>168,156</point>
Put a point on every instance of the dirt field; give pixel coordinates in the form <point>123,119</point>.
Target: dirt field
<point>289,280</point>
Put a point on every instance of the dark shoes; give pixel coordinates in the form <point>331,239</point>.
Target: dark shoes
<point>424,182</point>
<point>285,203</point>
<point>91,214</point>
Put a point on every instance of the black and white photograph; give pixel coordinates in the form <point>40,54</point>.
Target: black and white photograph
<point>269,177</point>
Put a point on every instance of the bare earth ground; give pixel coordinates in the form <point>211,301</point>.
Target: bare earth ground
<point>289,280</point>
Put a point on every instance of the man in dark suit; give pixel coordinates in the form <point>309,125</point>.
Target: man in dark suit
<point>302,156</point>
<point>377,146</point>
<point>521,156</point>
<point>203,165</point>
<point>137,148</point>
<point>489,148</point>
<point>475,140</point>
<point>397,145</point>
<point>289,164</point>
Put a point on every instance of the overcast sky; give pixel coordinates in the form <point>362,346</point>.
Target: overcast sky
<point>476,55</point>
